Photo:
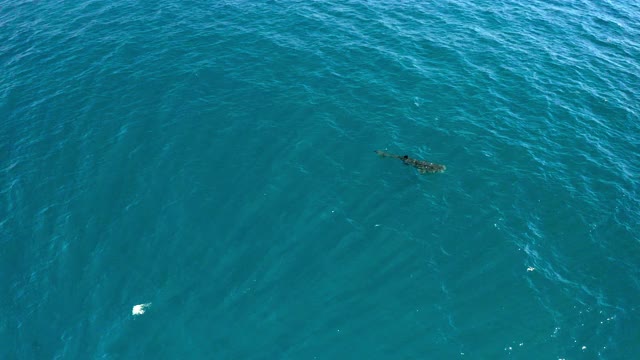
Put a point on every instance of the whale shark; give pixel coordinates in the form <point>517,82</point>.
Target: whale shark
<point>422,166</point>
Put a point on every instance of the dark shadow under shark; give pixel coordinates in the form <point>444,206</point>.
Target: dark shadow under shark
<point>422,166</point>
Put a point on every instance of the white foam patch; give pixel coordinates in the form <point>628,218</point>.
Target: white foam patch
<point>140,309</point>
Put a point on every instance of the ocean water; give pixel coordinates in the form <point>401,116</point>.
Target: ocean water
<point>215,159</point>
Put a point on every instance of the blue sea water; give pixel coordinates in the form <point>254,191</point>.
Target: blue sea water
<point>215,159</point>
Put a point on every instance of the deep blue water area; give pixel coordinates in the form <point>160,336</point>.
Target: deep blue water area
<point>215,160</point>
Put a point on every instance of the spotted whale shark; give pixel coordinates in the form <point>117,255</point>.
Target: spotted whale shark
<point>422,166</point>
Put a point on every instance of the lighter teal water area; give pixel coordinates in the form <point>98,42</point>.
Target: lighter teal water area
<point>215,159</point>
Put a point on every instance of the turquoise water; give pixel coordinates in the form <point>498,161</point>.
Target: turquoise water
<point>215,159</point>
